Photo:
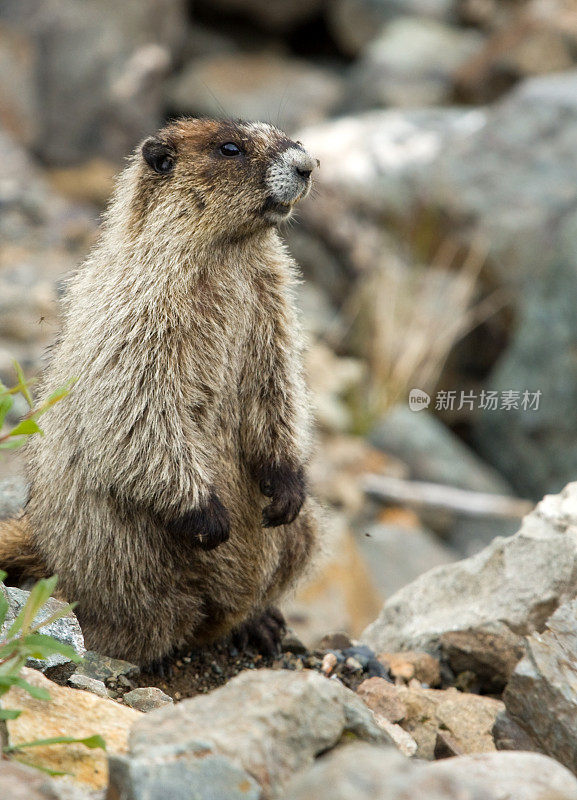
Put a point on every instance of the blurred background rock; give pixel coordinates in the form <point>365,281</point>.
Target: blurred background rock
<point>439,249</point>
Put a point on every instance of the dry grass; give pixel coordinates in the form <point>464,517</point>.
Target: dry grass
<point>406,319</point>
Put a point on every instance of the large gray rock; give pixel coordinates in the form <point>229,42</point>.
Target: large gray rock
<point>105,60</point>
<point>396,554</point>
<point>355,23</point>
<point>368,773</point>
<point>509,589</point>
<point>268,723</point>
<point>286,91</point>
<point>13,496</point>
<point>413,62</point>
<point>66,629</point>
<point>433,452</point>
<point>507,174</point>
<point>541,696</point>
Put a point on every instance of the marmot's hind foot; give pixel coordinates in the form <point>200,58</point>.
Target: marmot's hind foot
<point>263,633</point>
<point>161,667</point>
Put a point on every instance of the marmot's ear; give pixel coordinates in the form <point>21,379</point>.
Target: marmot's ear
<point>158,155</point>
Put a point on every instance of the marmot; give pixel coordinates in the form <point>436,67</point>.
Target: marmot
<point>149,488</point>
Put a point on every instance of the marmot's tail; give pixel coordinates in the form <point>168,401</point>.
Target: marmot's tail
<point>18,556</point>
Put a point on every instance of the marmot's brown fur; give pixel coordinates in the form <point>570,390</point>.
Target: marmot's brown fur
<point>189,408</point>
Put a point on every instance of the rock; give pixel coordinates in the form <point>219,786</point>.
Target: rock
<point>366,772</point>
<point>147,699</point>
<point>89,685</point>
<point>340,595</point>
<point>535,446</point>
<point>369,773</point>
<point>433,452</point>
<point>492,658</point>
<point>287,719</point>
<point>104,668</point>
<point>541,695</point>
<point>66,629</point>
<point>507,735</point>
<point>522,776</point>
<point>383,699</point>
<point>413,62</point>
<point>69,713</point>
<point>511,587</point>
<point>252,86</point>
<point>329,378</point>
<point>104,60</point>
<point>203,775</point>
<point>335,641</point>
<point>13,496</point>
<point>355,23</point>
<point>409,665</point>
<point>424,713</point>
<point>397,554</point>
<point>374,773</point>
<point>18,782</point>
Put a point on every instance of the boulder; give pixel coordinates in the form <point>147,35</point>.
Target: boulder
<point>69,713</point>
<point>541,696</point>
<point>366,772</point>
<point>66,629</point>
<point>287,91</point>
<point>413,62</point>
<point>105,60</point>
<point>287,719</point>
<point>13,496</point>
<point>426,714</point>
<point>508,590</point>
<point>355,23</point>
<point>397,554</point>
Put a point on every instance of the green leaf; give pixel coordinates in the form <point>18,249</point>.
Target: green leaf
<point>6,403</point>
<point>52,772</point>
<point>27,426</point>
<point>90,741</point>
<point>22,385</point>
<point>39,594</point>
<point>12,444</point>
<point>9,713</point>
<point>3,608</point>
<point>15,680</point>
<point>41,645</point>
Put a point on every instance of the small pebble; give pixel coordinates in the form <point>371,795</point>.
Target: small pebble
<point>354,665</point>
<point>147,699</point>
<point>329,663</point>
<point>88,684</point>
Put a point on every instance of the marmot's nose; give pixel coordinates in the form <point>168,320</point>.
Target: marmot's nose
<point>304,164</point>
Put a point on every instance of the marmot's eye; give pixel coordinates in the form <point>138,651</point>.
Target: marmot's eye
<point>230,149</point>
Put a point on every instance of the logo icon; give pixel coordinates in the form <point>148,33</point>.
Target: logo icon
<point>418,400</point>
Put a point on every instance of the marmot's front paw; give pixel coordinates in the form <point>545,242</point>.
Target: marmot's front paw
<point>287,488</point>
<point>206,526</point>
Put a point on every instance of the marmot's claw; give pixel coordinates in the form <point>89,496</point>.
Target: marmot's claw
<point>207,526</point>
<point>263,633</point>
<point>287,488</point>
<point>161,667</point>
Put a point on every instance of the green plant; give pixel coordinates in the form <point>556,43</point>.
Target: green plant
<point>28,425</point>
<point>406,318</point>
<point>22,641</point>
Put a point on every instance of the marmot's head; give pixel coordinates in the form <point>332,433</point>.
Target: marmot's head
<point>221,178</point>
